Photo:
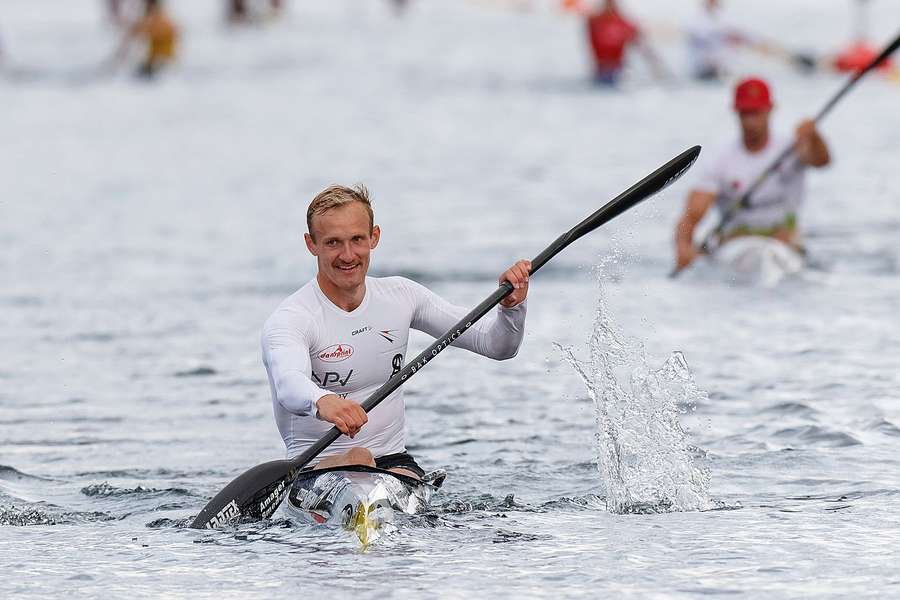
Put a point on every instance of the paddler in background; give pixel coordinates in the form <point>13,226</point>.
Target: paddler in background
<point>610,34</point>
<point>709,39</point>
<point>774,206</point>
<point>336,340</point>
<point>159,33</point>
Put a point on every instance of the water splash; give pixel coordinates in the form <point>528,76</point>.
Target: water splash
<point>643,452</point>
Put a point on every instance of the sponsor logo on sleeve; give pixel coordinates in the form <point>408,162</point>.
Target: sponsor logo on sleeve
<point>336,353</point>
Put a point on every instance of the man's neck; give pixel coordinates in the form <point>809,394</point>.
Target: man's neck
<point>348,300</point>
<point>754,146</point>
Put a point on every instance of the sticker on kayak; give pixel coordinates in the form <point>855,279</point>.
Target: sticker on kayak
<point>336,353</point>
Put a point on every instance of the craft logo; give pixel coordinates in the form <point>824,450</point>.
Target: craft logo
<point>336,353</point>
<point>389,334</point>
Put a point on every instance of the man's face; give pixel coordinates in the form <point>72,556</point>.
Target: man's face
<point>754,126</point>
<point>342,241</point>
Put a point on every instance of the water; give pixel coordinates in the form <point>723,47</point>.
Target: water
<point>141,255</point>
<point>643,452</point>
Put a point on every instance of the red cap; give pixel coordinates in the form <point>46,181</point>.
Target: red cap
<point>752,94</point>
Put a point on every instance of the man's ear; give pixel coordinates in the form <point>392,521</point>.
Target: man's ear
<point>376,235</point>
<point>310,244</point>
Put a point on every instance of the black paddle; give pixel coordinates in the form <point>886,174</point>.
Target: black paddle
<point>744,201</point>
<point>258,492</point>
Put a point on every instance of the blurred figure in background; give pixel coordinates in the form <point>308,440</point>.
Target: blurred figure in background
<point>114,10</point>
<point>773,208</point>
<point>610,34</point>
<point>237,11</point>
<point>122,13</point>
<point>116,13</point>
<point>573,6</point>
<point>860,53</point>
<point>709,40</point>
<point>248,12</point>
<point>400,6</point>
<point>160,35</point>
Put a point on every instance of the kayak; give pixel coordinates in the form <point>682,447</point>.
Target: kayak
<point>759,260</point>
<point>361,499</point>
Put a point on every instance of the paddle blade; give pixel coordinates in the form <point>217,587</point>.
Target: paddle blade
<point>643,189</point>
<point>251,496</point>
<point>653,183</point>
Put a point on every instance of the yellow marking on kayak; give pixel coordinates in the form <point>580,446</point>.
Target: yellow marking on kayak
<point>365,526</point>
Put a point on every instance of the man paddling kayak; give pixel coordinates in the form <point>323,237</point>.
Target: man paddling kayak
<point>342,335</point>
<point>610,34</point>
<point>773,208</point>
<point>709,40</point>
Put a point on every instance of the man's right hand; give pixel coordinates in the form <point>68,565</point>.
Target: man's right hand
<point>698,203</point>
<point>346,415</point>
<point>686,255</point>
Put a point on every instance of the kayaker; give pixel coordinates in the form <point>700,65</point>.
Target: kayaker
<point>774,206</point>
<point>158,30</point>
<point>610,34</point>
<point>709,39</point>
<point>336,340</point>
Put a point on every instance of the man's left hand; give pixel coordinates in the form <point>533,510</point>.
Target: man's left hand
<point>810,147</point>
<point>517,275</point>
<point>806,131</point>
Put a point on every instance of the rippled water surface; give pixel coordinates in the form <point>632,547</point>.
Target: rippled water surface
<point>721,439</point>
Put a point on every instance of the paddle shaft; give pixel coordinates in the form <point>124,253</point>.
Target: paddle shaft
<point>744,201</point>
<point>257,492</point>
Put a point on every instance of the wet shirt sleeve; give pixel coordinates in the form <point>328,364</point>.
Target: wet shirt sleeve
<point>498,335</point>
<point>285,352</point>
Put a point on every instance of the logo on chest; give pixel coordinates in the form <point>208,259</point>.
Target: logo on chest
<point>331,377</point>
<point>390,335</point>
<point>336,353</point>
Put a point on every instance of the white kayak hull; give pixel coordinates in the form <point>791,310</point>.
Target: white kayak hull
<point>360,499</point>
<point>758,260</point>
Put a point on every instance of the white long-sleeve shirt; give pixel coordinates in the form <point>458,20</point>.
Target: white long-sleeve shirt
<point>312,348</point>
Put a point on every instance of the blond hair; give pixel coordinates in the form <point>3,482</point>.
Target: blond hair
<point>335,196</point>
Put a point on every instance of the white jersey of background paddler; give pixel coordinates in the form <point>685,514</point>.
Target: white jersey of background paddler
<point>311,348</point>
<point>775,203</point>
